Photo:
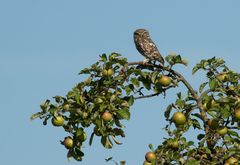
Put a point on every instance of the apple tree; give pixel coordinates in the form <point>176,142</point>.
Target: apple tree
<point>103,100</point>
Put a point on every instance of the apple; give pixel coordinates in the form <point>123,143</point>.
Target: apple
<point>58,121</point>
<point>237,113</point>
<point>81,135</point>
<point>164,81</point>
<point>107,72</point>
<point>150,156</point>
<point>174,144</point>
<point>179,118</point>
<point>232,160</point>
<point>222,131</point>
<point>68,142</point>
<point>106,116</point>
<point>66,107</point>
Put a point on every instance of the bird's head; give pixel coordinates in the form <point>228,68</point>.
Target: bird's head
<point>141,33</point>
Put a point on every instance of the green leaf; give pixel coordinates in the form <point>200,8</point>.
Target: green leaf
<point>124,113</point>
<point>91,139</point>
<point>168,111</point>
<point>197,115</point>
<point>154,76</point>
<point>180,103</point>
<point>225,112</point>
<point>106,142</point>
<point>150,146</point>
<point>116,141</point>
<point>196,68</point>
<point>212,84</point>
<point>147,83</point>
<point>135,81</point>
<point>190,143</point>
<point>212,113</point>
<point>202,87</point>
<point>179,95</point>
<point>98,123</point>
<point>118,132</point>
<point>103,57</point>
<point>118,123</point>
<point>113,55</point>
<point>196,124</point>
<point>36,115</point>
<point>122,162</point>
<point>192,162</point>
<point>130,100</point>
<point>128,90</point>
<point>200,136</point>
<point>44,106</point>
<point>233,133</point>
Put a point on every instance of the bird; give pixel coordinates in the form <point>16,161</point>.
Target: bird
<point>146,46</point>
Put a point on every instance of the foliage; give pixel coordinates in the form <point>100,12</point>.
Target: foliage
<point>103,101</point>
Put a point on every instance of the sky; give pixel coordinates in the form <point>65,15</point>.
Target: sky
<point>44,44</point>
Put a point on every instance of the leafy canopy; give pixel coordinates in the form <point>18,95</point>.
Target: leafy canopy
<point>103,100</point>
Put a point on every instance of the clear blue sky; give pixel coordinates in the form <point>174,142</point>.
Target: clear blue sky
<point>44,44</point>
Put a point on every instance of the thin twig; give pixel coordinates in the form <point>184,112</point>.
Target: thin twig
<point>146,96</point>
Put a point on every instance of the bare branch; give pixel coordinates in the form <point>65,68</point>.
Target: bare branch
<point>146,96</point>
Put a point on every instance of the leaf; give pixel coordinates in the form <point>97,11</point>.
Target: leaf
<point>150,146</point>
<point>196,68</point>
<point>202,87</point>
<point>106,142</point>
<point>79,152</point>
<point>196,124</point>
<point>192,162</point>
<point>108,159</point>
<point>154,77</point>
<point>180,103</point>
<point>200,136</point>
<point>116,141</point>
<point>91,139</point>
<point>122,162</point>
<point>130,100</point>
<point>118,132</point>
<point>69,155</point>
<point>225,112</point>
<point>128,90</point>
<point>103,57</point>
<point>146,82</point>
<point>119,124</point>
<point>124,113</point>
<point>44,106</point>
<point>212,113</point>
<point>113,55</point>
<point>98,123</point>
<point>179,95</point>
<point>36,115</point>
<point>190,143</point>
<point>168,111</point>
<point>197,115</point>
<point>233,133</point>
<point>135,81</point>
<point>212,84</point>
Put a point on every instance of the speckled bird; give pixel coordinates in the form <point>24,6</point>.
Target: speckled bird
<point>146,46</point>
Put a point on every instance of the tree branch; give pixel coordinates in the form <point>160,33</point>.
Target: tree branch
<point>181,78</point>
<point>146,96</point>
